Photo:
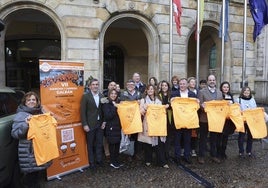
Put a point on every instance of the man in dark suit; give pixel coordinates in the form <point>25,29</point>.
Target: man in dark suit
<point>183,135</point>
<point>92,122</point>
<point>207,94</point>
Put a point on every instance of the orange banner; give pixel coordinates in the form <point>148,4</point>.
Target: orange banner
<point>61,90</point>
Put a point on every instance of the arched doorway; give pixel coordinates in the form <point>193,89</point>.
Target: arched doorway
<point>139,41</point>
<point>30,35</point>
<point>210,53</point>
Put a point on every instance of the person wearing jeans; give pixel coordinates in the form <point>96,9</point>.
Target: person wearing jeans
<point>246,101</point>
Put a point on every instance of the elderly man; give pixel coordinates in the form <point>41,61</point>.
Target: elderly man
<point>139,86</point>
<point>130,94</point>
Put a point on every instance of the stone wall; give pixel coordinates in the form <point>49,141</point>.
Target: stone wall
<point>80,23</point>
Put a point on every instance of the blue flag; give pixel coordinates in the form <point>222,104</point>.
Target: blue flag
<point>258,9</point>
<point>226,21</point>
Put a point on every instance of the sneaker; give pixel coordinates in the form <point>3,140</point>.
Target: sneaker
<point>241,155</point>
<point>165,166</point>
<point>250,155</point>
<point>224,156</point>
<point>92,166</point>
<point>187,160</point>
<point>100,163</point>
<point>148,164</point>
<point>193,153</point>
<point>216,160</point>
<point>177,161</point>
<point>182,152</point>
<point>114,166</point>
<point>201,160</point>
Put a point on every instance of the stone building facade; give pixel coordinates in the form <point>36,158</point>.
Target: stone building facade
<point>115,38</point>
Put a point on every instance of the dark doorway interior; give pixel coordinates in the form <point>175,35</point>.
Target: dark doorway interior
<point>113,66</point>
<point>30,35</point>
<point>22,61</point>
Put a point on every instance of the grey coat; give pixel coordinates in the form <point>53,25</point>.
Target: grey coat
<point>25,148</point>
<point>205,95</point>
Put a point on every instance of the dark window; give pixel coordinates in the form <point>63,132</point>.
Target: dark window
<point>212,57</point>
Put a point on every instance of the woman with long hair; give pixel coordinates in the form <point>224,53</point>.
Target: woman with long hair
<point>112,127</point>
<point>164,94</point>
<point>151,142</point>
<point>229,126</point>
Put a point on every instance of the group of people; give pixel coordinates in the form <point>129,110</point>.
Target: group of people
<point>101,121</point>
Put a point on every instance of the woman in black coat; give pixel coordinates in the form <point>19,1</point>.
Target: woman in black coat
<point>112,127</point>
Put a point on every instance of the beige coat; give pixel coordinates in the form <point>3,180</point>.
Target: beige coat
<point>143,136</point>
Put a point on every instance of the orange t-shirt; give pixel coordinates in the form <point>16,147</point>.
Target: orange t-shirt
<point>235,115</point>
<point>256,123</point>
<point>42,131</point>
<point>185,112</point>
<point>156,120</point>
<point>130,117</point>
<point>217,111</point>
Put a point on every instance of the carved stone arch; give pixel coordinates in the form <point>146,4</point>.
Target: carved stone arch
<point>13,7</point>
<point>6,15</point>
<point>209,34</point>
<point>151,34</point>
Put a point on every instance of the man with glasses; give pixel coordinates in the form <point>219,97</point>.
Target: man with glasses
<point>131,94</point>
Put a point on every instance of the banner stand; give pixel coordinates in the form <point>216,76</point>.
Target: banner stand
<point>61,91</point>
<point>58,176</point>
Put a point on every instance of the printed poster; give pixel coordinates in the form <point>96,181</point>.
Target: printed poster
<point>61,90</point>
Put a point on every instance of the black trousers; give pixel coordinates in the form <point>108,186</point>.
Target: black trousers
<point>160,153</point>
<point>32,180</point>
<point>214,139</point>
<point>114,152</point>
<point>95,139</point>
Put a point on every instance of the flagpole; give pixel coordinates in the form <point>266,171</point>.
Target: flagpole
<point>197,41</point>
<point>244,43</point>
<point>170,39</point>
<point>222,40</point>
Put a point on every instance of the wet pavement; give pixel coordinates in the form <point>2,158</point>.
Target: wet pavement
<point>233,172</point>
